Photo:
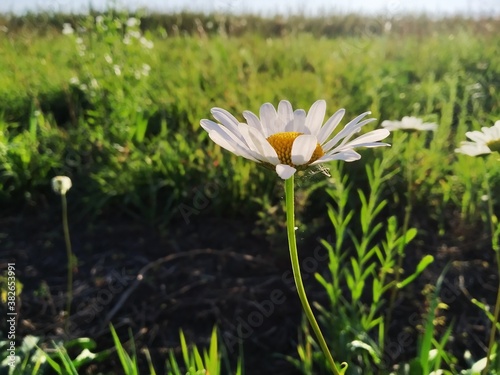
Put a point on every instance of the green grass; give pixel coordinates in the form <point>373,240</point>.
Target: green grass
<point>140,131</point>
<point>122,120</point>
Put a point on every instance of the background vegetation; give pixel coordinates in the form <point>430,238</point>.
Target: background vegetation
<point>115,102</point>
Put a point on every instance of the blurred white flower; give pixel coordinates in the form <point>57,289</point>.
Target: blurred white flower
<point>132,21</point>
<point>146,43</point>
<point>117,70</point>
<point>483,142</point>
<point>108,59</point>
<point>285,140</point>
<point>409,123</point>
<point>4,28</point>
<point>145,69</point>
<point>134,34</point>
<point>67,29</point>
<point>61,184</point>
<point>126,40</point>
<point>99,19</point>
<point>74,81</point>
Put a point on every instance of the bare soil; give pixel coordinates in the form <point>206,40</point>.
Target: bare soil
<point>215,271</point>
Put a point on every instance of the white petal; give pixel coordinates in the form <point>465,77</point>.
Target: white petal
<point>315,117</point>
<point>492,133</point>
<point>285,113</point>
<point>253,121</point>
<point>345,134</point>
<point>236,149</point>
<point>268,119</point>
<point>259,144</point>
<point>330,126</point>
<point>391,125</point>
<point>227,139</point>
<point>213,128</point>
<point>349,130</point>
<point>473,149</point>
<point>226,119</point>
<point>373,136</point>
<point>303,148</point>
<point>285,171</point>
<point>477,136</point>
<point>299,122</point>
<point>347,155</point>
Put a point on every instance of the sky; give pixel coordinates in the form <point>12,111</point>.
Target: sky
<point>268,7</point>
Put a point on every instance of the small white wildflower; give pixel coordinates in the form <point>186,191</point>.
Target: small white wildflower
<point>108,59</point>
<point>79,41</point>
<point>483,142</point>
<point>67,29</point>
<point>61,184</point>
<point>99,19</point>
<point>74,81</point>
<point>132,21</point>
<point>93,83</point>
<point>126,40</point>
<point>145,69</point>
<point>119,147</point>
<point>134,34</point>
<point>146,43</point>
<point>83,87</point>
<point>409,123</point>
<point>117,70</point>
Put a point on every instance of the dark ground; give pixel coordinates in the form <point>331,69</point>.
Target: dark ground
<point>214,270</point>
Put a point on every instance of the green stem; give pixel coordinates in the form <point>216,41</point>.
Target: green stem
<point>294,257</point>
<point>401,248</point>
<point>69,255</point>
<point>496,313</point>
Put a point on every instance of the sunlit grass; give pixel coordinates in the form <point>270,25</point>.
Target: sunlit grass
<point>130,137</point>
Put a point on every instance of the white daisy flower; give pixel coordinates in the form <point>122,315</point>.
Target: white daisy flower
<point>409,123</point>
<point>67,29</point>
<point>132,21</point>
<point>483,142</point>
<point>117,70</point>
<point>286,140</point>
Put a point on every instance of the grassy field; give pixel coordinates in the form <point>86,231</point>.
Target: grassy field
<point>115,103</point>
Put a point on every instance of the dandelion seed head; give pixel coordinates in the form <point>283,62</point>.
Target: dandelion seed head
<point>61,184</point>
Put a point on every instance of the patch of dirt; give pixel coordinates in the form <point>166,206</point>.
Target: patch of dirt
<point>213,271</point>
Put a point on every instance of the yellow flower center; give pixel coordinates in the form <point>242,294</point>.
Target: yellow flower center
<point>494,145</point>
<point>282,144</point>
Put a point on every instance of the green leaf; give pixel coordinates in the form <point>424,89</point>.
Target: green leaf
<point>422,265</point>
